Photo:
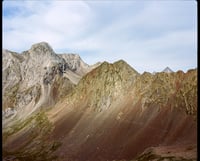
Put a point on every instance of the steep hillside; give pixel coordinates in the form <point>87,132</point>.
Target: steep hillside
<point>113,113</point>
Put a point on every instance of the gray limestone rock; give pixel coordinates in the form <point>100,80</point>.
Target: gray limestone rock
<point>29,78</point>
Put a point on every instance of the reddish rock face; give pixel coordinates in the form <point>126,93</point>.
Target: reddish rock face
<point>114,113</point>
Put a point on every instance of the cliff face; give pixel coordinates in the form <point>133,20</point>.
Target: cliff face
<point>112,113</point>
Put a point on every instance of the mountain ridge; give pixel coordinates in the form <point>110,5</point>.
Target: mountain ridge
<point>106,112</point>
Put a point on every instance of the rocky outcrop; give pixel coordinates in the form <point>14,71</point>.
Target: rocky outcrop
<point>75,68</point>
<point>167,153</point>
<point>75,63</point>
<point>163,88</point>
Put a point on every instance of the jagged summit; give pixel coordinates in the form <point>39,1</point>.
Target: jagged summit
<point>120,67</point>
<point>41,49</point>
<point>41,45</point>
<point>75,63</point>
<point>110,82</point>
<point>168,70</point>
<point>34,73</point>
<point>121,63</point>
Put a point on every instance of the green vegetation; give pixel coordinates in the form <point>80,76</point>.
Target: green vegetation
<point>16,127</point>
<point>37,148</point>
<point>9,98</point>
<point>39,120</point>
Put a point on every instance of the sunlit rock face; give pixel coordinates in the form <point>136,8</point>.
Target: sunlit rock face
<point>71,111</point>
<point>31,80</point>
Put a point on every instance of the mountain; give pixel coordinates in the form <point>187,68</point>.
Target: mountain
<point>37,78</point>
<point>167,70</point>
<point>111,113</point>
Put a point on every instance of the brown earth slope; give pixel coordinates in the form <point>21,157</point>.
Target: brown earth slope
<point>113,114</point>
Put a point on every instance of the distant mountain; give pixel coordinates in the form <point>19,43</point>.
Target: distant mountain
<point>58,108</point>
<point>168,70</point>
<point>38,78</point>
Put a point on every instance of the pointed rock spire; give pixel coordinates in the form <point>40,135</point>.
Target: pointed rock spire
<point>168,70</point>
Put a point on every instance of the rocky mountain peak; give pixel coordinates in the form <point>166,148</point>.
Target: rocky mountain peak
<point>36,74</point>
<point>109,83</point>
<point>121,62</point>
<point>168,70</point>
<point>41,45</point>
<point>42,48</point>
<point>75,63</point>
<point>124,65</point>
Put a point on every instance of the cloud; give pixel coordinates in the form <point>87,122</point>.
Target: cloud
<point>148,35</point>
<point>51,22</point>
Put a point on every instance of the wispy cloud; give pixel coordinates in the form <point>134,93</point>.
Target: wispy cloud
<point>149,35</point>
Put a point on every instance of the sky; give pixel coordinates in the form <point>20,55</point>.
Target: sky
<point>148,35</point>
